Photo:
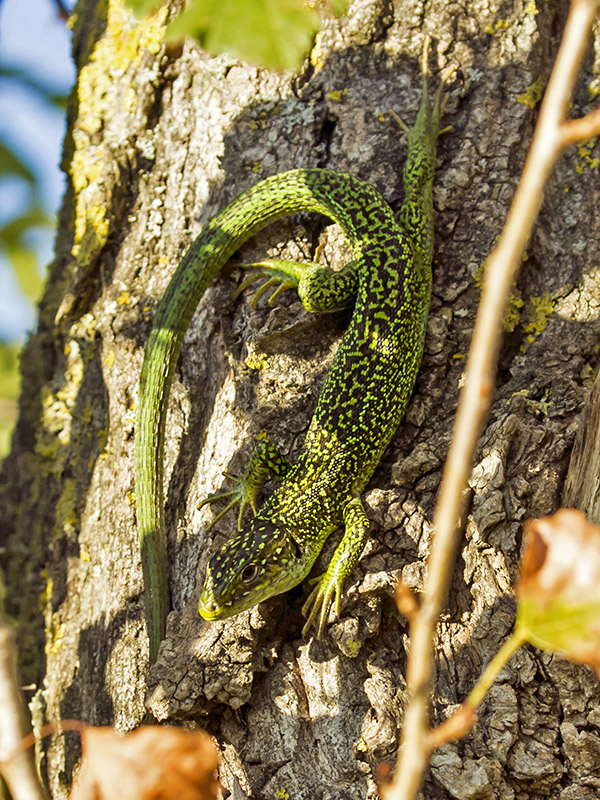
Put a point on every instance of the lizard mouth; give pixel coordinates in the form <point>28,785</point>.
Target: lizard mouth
<point>208,607</point>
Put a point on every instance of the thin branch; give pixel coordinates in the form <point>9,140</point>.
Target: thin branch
<point>475,398</point>
<point>455,727</point>
<point>17,768</point>
<point>577,130</point>
<point>60,726</point>
<point>490,673</point>
<point>63,11</point>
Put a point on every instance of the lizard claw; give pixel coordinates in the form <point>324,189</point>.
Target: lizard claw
<point>275,276</point>
<point>243,493</point>
<point>326,593</point>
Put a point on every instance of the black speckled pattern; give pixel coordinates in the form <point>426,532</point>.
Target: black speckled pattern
<point>359,407</point>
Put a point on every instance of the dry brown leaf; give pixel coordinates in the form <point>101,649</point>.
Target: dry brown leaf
<point>559,590</point>
<point>152,763</point>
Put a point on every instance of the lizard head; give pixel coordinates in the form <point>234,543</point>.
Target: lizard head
<point>260,562</point>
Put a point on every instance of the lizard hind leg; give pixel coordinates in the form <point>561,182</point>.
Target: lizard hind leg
<point>265,462</point>
<point>319,288</point>
<point>282,274</point>
<point>323,290</point>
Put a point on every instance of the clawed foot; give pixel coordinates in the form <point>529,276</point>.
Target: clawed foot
<point>243,492</point>
<point>327,593</point>
<point>277,273</point>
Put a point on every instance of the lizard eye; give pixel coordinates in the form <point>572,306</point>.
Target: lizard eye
<point>295,547</point>
<point>249,573</point>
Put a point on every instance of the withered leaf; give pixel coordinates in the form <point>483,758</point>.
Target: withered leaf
<point>152,763</point>
<point>559,590</point>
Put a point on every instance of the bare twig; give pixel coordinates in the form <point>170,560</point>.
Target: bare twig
<point>63,11</point>
<point>18,770</point>
<point>549,138</point>
<point>576,130</point>
<point>460,723</point>
<point>60,726</point>
<point>455,727</point>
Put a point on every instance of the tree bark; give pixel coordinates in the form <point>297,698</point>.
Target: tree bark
<point>160,139</point>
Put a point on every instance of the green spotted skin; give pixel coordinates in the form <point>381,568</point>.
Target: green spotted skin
<point>361,403</point>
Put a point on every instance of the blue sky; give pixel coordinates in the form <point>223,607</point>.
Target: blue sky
<point>35,39</point>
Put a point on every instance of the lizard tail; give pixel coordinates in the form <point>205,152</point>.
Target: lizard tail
<point>296,191</point>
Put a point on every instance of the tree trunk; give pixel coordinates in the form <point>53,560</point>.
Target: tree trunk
<point>160,139</point>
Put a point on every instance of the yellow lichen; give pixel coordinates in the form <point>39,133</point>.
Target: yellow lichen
<point>352,647</point>
<point>531,8</point>
<point>46,593</point>
<point>54,637</point>
<point>541,406</point>
<point>496,26</point>
<point>65,519</point>
<point>512,314</point>
<point>258,124</point>
<point>103,443</point>
<point>520,393</point>
<point>535,318</point>
<point>532,95</point>
<point>84,330</point>
<point>91,228</point>
<point>86,164</point>
<point>101,98</point>
<point>54,431</point>
<point>478,275</point>
<point>584,151</point>
<point>316,54</point>
<point>538,312</point>
<point>337,95</point>
<point>255,359</point>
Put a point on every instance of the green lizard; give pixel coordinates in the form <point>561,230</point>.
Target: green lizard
<point>360,405</point>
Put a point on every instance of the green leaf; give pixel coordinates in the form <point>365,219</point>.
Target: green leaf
<point>34,84</point>
<point>143,8</point>
<point>24,262</point>
<point>9,392</point>
<point>12,231</point>
<point>558,594</point>
<point>275,33</point>
<point>560,628</point>
<point>9,370</point>
<point>11,164</point>
<point>21,255</point>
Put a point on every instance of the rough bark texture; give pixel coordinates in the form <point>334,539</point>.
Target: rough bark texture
<point>158,141</point>
<point>582,483</point>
